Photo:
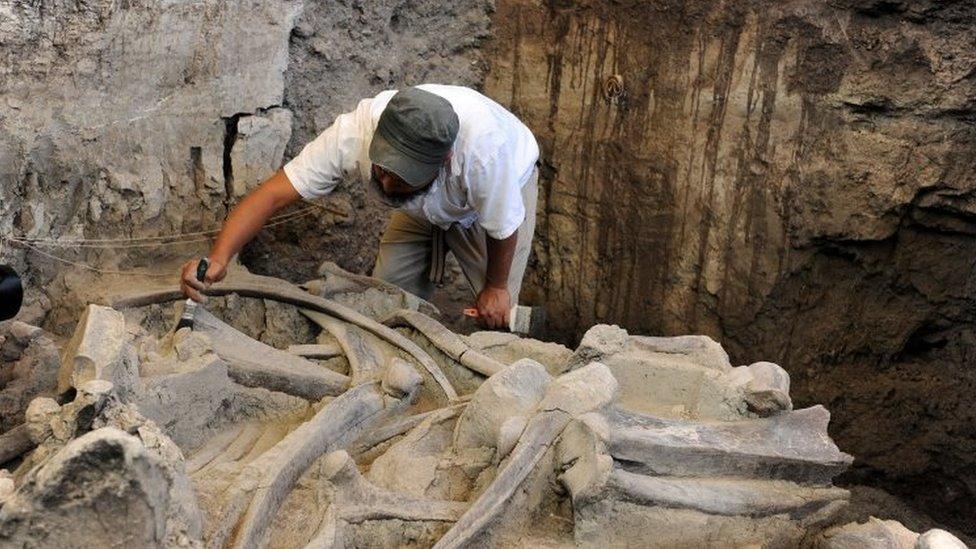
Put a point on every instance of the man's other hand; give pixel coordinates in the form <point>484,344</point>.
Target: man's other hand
<point>493,306</point>
<point>192,287</point>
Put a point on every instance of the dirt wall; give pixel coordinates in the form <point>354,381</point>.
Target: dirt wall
<point>793,178</point>
<point>133,120</point>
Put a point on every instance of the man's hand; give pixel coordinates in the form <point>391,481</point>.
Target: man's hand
<point>493,306</point>
<point>192,287</point>
<point>245,220</point>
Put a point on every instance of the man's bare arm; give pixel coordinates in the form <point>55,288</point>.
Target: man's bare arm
<point>494,301</point>
<point>244,221</point>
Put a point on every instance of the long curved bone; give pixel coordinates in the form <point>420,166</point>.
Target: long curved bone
<point>315,350</point>
<point>366,362</point>
<point>263,287</point>
<point>347,281</point>
<point>254,364</point>
<point>265,482</point>
<point>446,340</point>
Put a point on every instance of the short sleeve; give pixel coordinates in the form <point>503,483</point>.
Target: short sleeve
<point>333,155</point>
<point>494,191</point>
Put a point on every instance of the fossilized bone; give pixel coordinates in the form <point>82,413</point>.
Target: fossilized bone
<point>401,426</point>
<point>254,364</point>
<point>588,388</point>
<point>263,287</point>
<point>358,500</point>
<point>329,533</point>
<point>366,362</point>
<point>535,441</point>
<point>315,350</point>
<point>792,445</point>
<point>242,445</point>
<point>217,446</point>
<point>447,341</point>
<point>265,482</point>
<point>733,497</point>
<point>356,282</point>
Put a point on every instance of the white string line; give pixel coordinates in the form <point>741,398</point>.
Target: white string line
<point>94,244</point>
<point>30,245</point>
<point>111,246</point>
<point>274,221</point>
<point>89,267</point>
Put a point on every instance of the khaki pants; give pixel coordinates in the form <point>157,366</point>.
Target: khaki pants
<point>405,253</point>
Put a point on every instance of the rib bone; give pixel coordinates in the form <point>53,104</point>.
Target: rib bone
<point>263,287</point>
<point>265,482</point>
<point>446,340</point>
<point>365,359</point>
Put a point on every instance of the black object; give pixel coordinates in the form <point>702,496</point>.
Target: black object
<point>11,292</point>
<point>186,319</point>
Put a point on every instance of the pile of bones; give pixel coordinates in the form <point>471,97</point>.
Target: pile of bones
<point>340,413</point>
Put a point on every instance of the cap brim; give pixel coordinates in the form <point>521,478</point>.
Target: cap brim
<point>413,172</point>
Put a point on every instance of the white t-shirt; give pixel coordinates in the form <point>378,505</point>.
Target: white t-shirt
<point>493,157</point>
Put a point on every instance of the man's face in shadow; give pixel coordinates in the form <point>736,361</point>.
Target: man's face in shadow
<point>395,191</point>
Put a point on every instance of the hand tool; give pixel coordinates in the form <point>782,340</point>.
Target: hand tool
<point>186,319</point>
<point>521,319</point>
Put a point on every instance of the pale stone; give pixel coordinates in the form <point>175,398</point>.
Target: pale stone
<point>190,344</point>
<point>599,341</point>
<point>591,387</point>
<point>939,539</point>
<point>38,418</point>
<point>99,349</point>
<point>7,486</point>
<point>873,534</point>
<point>766,387</point>
<point>514,391</point>
<point>258,148</point>
<point>507,347</point>
<point>700,349</point>
<point>401,379</point>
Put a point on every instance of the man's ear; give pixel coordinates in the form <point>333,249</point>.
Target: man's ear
<point>447,159</point>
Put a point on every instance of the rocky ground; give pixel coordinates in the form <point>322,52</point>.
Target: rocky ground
<point>343,414</point>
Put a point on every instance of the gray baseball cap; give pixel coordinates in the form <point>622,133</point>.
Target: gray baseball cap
<point>414,135</point>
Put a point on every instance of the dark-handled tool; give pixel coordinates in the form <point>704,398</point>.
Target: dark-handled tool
<point>11,292</point>
<point>190,309</point>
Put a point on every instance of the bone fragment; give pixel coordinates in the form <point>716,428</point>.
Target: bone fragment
<point>319,350</point>
<point>358,500</point>
<point>791,445</point>
<point>254,364</point>
<point>329,534</point>
<point>730,497</point>
<point>538,436</point>
<point>401,426</point>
